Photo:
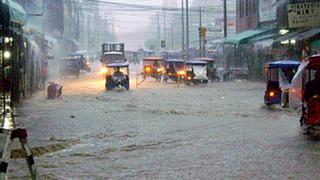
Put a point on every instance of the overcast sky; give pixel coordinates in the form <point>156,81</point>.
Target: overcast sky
<point>131,26</point>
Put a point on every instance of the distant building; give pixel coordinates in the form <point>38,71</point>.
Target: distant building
<point>247,15</point>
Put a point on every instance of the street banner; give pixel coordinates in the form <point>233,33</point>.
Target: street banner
<point>304,15</point>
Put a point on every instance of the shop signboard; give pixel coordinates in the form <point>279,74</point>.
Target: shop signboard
<point>302,15</point>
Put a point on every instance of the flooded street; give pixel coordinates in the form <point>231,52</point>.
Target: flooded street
<point>159,89</point>
<point>160,131</point>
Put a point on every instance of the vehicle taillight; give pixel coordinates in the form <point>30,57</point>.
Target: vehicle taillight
<point>271,94</point>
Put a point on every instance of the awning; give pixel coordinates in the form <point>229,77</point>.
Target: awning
<point>299,35</point>
<point>264,40</point>
<point>288,36</point>
<point>308,34</point>
<point>245,36</point>
<point>17,13</point>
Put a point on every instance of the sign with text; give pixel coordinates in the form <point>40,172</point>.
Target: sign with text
<point>304,15</point>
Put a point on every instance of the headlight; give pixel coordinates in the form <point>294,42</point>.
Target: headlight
<point>160,69</point>
<point>189,78</point>
<point>148,69</point>
<point>181,73</point>
<point>103,70</point>
<point>6,54</point>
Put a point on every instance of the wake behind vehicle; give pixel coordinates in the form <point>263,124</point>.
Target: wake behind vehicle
<point>70,66</point>
<point>305,91</point>
<point>117,76</point>
<point>153,67</point>
<point>279,75</point>
<point>174,70</point>
<point>196,72</point>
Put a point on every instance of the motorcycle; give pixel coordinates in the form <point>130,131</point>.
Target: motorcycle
<point>54,90</point>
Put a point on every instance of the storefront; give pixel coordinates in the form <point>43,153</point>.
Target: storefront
<point>12,50</point>
<point>298,28</point>
<point>240,51</point>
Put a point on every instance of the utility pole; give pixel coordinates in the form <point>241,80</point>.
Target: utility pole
<point>225,64</point>
<point>225,18</point>
<point>200,25</point>
<point>182,24</point>
<point>158,30</point>
<point>106,26</point>
<point>187,24</point>
<point>172,37</point>
<point>89,32</point>
<point>164,26</point>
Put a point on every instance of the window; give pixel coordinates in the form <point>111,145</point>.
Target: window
<point>248,8</point>
<point>241,8</point>
<point>255,6</point>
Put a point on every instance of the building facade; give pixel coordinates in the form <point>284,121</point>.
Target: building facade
<point>247,15</point>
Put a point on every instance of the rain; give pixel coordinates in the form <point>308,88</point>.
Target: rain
<point>159,89</point>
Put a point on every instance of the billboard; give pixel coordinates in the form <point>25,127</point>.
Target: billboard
<point>304,15</point>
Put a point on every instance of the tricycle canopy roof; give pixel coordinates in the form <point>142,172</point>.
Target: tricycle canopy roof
<point>313,62</point>
<point>118,64</point>
<point>196,63</point>
<point>204,59</point>
<point>296,90</point>
<point>283,64</point>
<point>76,54</point>
<point>175,60</point>
<point>113,52</point>
<point>153,59</point>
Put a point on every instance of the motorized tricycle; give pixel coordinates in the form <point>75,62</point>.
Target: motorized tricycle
<point>174,70</point>
<point>305,91</point>
<point>83,58</point>
<point>279,75</point>
<point>70,66</point>
<point>153,67</point>
<point>212,73</point>
<point>196,72</point>
<point>117,76</point>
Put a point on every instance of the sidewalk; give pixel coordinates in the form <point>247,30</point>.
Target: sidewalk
<point>38,147</point>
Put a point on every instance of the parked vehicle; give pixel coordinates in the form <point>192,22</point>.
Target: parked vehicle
<point>84,63</point>
<point>70,66</point>
<point>196,72</point>
<point>279,75</point>
<point>174,70</point>
<point>305,91</point>
<point>153,67</point>
<point>133,56</point>
<point>117,76</point>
